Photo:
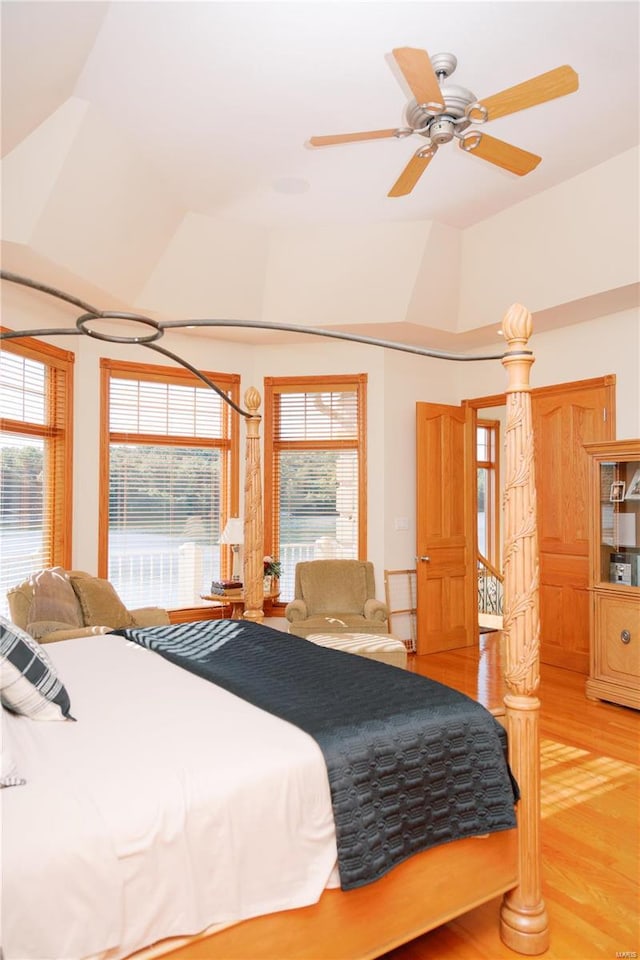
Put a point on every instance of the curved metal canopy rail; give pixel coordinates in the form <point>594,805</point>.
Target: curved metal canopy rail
<point>154,330</point>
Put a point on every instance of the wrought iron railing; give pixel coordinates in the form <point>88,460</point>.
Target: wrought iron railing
<point>489,588</point>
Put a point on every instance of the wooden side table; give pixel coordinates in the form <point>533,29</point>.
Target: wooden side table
<point>235,600</point>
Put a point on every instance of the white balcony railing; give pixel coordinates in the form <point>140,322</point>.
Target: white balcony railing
<point>177,575</point>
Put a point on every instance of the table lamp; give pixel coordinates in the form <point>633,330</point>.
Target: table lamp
<point>233,534</point>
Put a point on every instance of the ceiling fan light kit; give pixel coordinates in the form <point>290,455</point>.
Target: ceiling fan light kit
<point>439,112</point>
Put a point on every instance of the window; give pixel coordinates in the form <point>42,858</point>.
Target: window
<point>315,456</point>
<point>170,469</point>
<point>36,402</point>
<point>487,436</point>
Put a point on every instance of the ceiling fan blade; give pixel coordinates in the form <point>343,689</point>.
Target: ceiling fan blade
<point>352,137</point>
<point>419,74</point>
<point>503,154</point>
<point>547,86</point>
<point>412,173</point>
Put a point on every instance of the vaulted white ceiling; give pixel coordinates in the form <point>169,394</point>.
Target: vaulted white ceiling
<point>150,146</point>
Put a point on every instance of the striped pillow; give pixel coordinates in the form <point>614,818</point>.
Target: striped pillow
<point>9,776</point>
<point>29,684</point>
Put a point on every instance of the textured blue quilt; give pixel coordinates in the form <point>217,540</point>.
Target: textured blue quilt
<point>411,762</point>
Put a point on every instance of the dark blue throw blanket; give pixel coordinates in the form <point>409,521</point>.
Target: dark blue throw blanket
<point>411,762</point>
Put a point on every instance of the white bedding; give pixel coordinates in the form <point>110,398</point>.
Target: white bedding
<point>170,805</point>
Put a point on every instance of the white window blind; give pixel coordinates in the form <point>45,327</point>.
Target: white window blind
<point>165,410</point>
<point>169,485</point>
<point>35,461</point>
<point>22,388</point>
<point>318,416</point>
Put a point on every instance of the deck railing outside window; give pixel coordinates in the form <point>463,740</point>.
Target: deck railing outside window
<point>176,575</point>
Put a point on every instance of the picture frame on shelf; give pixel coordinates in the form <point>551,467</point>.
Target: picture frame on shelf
<point>616,491</point>
<point>633,489</point>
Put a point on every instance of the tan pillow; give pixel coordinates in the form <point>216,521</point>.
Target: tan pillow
<point>100,603</point>
<point>54,598</point>
<point>335,586</point>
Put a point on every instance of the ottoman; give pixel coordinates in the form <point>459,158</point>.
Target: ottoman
<point>376,646</point>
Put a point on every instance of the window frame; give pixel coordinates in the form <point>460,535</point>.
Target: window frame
<point>492,506</point>
<point>121,369</point>
<point>57,434</point>
<point>273,387</point>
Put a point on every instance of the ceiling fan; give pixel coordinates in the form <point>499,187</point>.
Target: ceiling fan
<point>439,112</point>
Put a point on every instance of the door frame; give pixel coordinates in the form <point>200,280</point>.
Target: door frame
<point>553,606</point>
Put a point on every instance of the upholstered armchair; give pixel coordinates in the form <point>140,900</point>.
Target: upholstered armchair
<point>57,604</point>
<point>336,596</point>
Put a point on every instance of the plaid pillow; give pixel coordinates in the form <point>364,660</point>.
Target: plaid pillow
<point>29,684</point>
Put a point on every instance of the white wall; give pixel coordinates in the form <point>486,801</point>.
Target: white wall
<point>408,380</point>
<point>570,242</point>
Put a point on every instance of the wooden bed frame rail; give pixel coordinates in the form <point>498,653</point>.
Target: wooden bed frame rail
<point>439,884</point>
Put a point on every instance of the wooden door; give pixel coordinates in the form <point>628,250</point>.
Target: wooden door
<point>564,418</point>
<point>447,615</point>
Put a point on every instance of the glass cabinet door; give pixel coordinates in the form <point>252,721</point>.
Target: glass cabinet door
<point>619,484</point>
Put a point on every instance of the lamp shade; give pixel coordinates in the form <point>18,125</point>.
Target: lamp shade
<point>233,532</point>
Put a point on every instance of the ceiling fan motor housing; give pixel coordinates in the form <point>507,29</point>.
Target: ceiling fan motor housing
<point>440,128</point>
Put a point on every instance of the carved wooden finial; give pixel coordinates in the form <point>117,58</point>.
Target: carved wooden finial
<point>252,400</point>
<point>517,326</point>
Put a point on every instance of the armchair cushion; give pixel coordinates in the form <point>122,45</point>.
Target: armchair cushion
<point>99,602</point>
<point>338,586</point>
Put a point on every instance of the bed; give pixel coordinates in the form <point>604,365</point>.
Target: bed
<point>312,917</point>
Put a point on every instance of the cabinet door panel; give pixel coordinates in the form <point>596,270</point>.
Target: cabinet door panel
<point>615,659</point>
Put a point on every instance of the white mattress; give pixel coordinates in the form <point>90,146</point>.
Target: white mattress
<point>169,806</point>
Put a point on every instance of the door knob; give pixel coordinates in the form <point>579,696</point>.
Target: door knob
<point>424,559</point>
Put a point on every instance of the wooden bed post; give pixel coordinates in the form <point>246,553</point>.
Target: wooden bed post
<point>524,922</point>
<point>253,571</point>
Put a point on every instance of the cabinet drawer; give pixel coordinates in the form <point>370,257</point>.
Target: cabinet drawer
<point>615,618</point>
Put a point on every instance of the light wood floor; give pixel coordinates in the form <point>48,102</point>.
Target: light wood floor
<point>590,827</point>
